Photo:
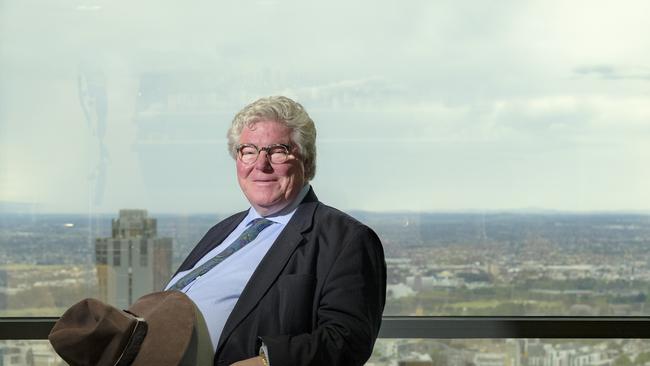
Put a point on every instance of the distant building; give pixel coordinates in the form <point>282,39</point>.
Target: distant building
<point>28,353</point>
<point>3,290</point>
<point>11,356</point>
<point>489,359</point>
<point>415,363</point>
<point>133,261</point>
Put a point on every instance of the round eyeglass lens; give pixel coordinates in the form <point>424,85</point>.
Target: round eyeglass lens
<point>248,154</point>
<point>278,154</point>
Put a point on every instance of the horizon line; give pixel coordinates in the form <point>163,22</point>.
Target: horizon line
<point>538,211</point>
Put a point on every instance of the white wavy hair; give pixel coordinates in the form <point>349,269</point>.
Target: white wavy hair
<point>283,110</point>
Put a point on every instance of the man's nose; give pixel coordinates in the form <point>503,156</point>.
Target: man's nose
<point>263,162</point>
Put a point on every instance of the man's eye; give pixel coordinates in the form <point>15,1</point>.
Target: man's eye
<point>277,150</point>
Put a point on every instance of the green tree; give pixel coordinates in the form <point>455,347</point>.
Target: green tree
<point>623,360</point>
<point>642,358</point>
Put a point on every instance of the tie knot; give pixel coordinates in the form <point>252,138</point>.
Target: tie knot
<point>260,222</point>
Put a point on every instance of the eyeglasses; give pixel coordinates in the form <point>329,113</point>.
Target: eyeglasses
<point>276,153</point>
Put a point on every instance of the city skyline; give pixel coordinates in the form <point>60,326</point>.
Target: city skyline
<point>438,264</point>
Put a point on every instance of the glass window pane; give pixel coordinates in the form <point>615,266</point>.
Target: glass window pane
<point>500,151</point>
<point>494,352</point>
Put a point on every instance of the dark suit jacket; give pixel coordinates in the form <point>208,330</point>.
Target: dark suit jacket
<point>317,296</point>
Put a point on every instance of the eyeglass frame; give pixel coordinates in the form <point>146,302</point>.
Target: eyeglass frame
<point>267,148</point>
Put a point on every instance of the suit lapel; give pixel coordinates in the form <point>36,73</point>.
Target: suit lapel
<point>271,265</point>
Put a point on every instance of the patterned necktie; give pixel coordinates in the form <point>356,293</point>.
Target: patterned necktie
<point>255,228</point>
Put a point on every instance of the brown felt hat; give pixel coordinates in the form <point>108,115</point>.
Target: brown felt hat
<point>162,328</point>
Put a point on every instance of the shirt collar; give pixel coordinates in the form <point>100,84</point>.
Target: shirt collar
<point>283,216</point>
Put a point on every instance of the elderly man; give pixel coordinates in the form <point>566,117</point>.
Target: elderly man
<point>289,281</point>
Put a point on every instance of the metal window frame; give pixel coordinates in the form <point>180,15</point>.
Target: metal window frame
<point>451,327</point>
<point>472,327</point>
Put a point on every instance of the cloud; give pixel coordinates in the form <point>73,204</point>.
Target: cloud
<point>610,72</point>
<point>421,104</point>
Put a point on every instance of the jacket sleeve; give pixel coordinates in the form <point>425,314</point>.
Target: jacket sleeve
<point>349,311</point>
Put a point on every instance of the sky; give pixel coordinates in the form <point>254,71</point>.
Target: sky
<point>419,105</point>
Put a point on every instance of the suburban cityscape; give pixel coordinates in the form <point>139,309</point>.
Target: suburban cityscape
<point>439,264</point>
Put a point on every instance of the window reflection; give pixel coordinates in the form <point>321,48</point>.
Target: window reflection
<point>512,178</point>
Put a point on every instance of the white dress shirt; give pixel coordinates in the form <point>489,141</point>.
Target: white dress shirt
<point>216,292</point>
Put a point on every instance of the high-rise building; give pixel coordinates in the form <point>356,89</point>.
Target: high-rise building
<point>133,261</point>
<point>3,290</point>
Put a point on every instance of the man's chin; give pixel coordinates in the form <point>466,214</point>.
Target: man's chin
<point>269,208</point>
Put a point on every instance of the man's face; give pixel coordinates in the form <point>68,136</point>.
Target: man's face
<point>270,187</point>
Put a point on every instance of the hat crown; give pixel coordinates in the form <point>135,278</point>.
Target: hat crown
<point>94,333</point>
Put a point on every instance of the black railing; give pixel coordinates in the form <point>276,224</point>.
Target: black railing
<point>435,327</point>
<point>514,327</point>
